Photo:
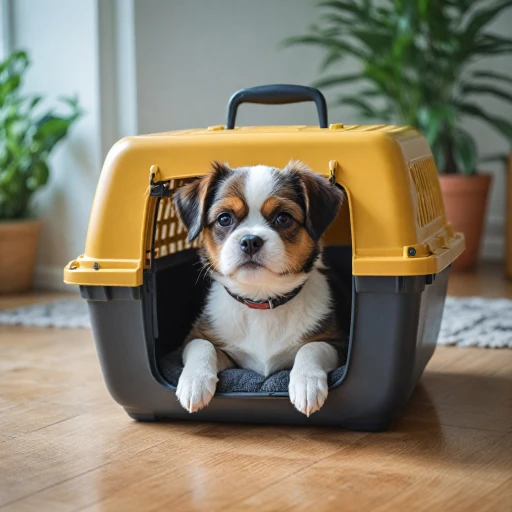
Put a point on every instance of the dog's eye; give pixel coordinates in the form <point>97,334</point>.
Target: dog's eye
<point>224,220</point>
<point>284,220</point>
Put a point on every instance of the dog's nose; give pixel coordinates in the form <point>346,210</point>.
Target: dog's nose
<point>251,244</point>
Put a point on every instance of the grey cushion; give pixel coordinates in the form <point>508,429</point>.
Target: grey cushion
<point>237,380</point>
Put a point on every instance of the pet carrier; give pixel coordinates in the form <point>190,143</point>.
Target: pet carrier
<point>391,243</point>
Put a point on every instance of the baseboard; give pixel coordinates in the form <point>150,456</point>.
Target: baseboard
<point>49,277</point>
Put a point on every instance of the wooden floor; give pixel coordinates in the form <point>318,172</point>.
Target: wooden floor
<point>66,446</point>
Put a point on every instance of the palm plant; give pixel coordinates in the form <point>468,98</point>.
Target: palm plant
<point>416,59</point>
<point>27,137</point>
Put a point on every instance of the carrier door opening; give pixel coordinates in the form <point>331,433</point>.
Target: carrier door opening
<point>180,284</point>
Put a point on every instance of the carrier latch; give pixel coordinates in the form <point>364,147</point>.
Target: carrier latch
<point>333,166</point>
<point>158,188</point>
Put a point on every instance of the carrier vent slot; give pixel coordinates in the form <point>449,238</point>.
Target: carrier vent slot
<point>430,202</point>
<point>170,234</point>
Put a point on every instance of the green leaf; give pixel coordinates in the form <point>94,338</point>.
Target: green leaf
<point>13,146</point>
<point>17,62</point>
<point>494,44</point>
<point>330,18</point>
<point>486,45</point>
<point>11,71</point>
<point>385,79</point>
<point>464,152</point>
<point>362,106</point>
<point>376,41</point>
<point>26,138</point>
<point>434,120</point>
<point>438,150</point>
<point>482,17</point>
<point>330,81</point>
<point>9,85</point>
<point>39,175</point>
<point>368,93</point>
<point>331,57</point>
<point>498,123</point>
<point>329,43</point>
<point>50,129</point>
<point>486,89</point>
<point>33,102</point>
<point>346,6</point>
<point>493,75</point>
<point>71,102</point>
<point>20,60</point>
<point>8,175</point>
<point>497,157</point>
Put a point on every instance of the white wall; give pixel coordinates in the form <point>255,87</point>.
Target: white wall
<point>191,56</point>
<point>143,66</point>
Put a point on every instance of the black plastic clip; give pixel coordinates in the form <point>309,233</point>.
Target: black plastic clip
<point>158,188</point>
<point>333,166</point>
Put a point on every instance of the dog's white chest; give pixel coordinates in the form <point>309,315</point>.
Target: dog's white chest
<point>267,340</point>
<point>266,345</point>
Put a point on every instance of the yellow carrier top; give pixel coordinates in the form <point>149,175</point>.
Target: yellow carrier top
<point>394,220</point>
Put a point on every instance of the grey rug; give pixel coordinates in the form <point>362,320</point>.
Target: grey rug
<point>467,322</point>
<point>477,322</point>
<point>72,314</point>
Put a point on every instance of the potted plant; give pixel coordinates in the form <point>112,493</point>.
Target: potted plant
<point>27,137</point>
<point>416,69</point>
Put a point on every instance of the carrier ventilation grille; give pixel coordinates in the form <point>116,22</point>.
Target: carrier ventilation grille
<point>430,202</point>
<point>170,233</point>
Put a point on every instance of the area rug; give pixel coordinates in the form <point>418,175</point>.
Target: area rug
<point>70,314</point>
<point>477,322</point>
<point>467,322</point>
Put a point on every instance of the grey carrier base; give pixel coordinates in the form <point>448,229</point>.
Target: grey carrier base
<point>394,327</point>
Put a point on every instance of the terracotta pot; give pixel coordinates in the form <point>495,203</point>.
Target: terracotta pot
<point>18,251</point>
<point>465,201</point>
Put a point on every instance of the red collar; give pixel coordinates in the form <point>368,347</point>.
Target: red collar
<point>270,303</point>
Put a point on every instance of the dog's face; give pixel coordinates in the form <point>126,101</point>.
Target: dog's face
<point>261,225</point>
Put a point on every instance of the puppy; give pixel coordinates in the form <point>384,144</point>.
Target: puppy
<point>270,306</point>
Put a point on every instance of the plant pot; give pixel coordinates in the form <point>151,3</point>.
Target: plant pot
<point>19,240</point>
<point>465,201</point>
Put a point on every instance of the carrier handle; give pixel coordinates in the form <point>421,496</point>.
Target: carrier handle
<point>277,94</point>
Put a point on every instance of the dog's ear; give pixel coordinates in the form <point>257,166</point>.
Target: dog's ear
<point>193,199</point>
<point>322,198</point>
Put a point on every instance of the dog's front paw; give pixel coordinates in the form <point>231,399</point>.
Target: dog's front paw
<point>196,390</point>
<point>308,390</point>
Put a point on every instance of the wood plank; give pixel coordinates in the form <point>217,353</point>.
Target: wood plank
<point>253,456</point>
<point>44,458</point>
<point>469,388</point>
<point>398,470</point>
<point>497,500</point>
<point>29,417</point>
